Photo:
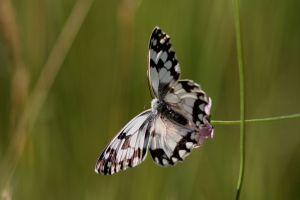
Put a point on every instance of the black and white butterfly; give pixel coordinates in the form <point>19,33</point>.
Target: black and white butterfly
<point>178,121</point>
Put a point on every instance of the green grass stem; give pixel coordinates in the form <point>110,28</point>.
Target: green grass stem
<point>242,95</point>
<point>267,119</point>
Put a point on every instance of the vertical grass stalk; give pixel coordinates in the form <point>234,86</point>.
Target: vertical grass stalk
<point>41,90</point>
<point>239,47</point>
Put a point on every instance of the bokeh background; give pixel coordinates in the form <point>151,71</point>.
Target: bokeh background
<point>101,84</point>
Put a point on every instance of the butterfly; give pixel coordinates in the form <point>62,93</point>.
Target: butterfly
<point>178,121</point>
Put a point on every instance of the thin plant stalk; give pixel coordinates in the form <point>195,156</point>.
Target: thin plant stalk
<point>41,89</point>
<point>240,57</point>
<point>267,119</point>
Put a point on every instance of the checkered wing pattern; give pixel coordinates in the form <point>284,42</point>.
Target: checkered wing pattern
<point>128,148</point>
<point>178,122</point>
<point>183,125</point>
<point>163,69</point>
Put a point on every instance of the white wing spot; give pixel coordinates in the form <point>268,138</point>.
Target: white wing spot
<point>202,106</point>
<point>174,159</point>
<point>208,106</point>
<point>157,57</point>
<point>168,64</point>
<point>166,78</point>
<point>181,153</point>
<point>162,73</point>
<point>189,145</point>
<point>177,69</point>
<point>113,168</point>
<point>135,161</point>
<point>118,167</point>
<point>153,54</point>
<point>200,116</point>
<point>154,41</point>
<point>164,161</point>
<point>164,56</point>
<point>106,155</point>
<point>189,101</point>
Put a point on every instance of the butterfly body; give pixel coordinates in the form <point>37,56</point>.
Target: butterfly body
<point>178,121</point>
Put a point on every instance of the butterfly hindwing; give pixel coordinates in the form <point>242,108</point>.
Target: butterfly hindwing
<point>163,69</point>
<point>171,142</point>
<point>187,98</point>
<point>128,148</point>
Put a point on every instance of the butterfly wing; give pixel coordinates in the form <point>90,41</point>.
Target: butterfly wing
<point>163,69</point>
<point>128,148</point>
<point>171,142</point>
<point>184,121</point>
<point>188,99</point>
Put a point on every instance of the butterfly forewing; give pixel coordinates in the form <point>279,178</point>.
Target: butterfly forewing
<point>128,148</point>
<point>164,69</point>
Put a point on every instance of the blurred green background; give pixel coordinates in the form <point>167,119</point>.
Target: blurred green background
<point>102,84</point>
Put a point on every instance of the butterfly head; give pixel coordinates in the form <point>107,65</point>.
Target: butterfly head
<point>155,105</point>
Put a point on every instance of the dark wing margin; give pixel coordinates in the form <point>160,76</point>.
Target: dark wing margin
<point>163,69</point>
<point>129,148</point>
